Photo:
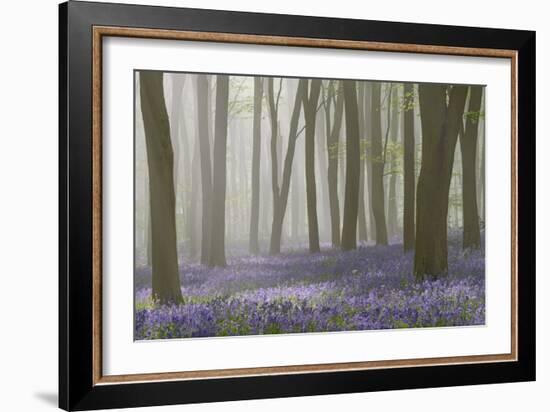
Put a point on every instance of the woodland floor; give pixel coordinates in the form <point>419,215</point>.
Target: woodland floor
<point>365,289</point>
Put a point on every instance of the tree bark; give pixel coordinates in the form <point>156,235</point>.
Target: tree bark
<point>377,198</point>
<point>320,172</point>
<point>160,159</point>
<point>194,204</point>
<point>181,155</point>
<point>176,125</point>
<point>371,225</point>
<point>333,133</point>
<point>392,192</point>
<point>361,213</point>
<point>217,238</point>
<point>206,167</point>
<point>482,168</point>
<point>440,127</point>
<point>254,246</point>
<point>353,161</point>
<point>471,238</point>
<point>408,167</point>
<point>310,110</point>
<point>273,104</point>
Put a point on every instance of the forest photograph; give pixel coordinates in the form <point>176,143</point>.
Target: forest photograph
<point>279,205</point>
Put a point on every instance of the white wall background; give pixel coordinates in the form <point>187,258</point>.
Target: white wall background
<point>28,205</point>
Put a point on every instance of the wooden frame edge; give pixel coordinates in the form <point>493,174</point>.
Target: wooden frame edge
<point>97,235</point>
<point>98,32</point>
<point>297,369</point>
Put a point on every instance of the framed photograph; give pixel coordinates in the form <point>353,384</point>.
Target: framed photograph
<point>257,205</point>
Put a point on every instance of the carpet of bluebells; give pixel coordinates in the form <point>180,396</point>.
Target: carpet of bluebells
<point>365,289</point>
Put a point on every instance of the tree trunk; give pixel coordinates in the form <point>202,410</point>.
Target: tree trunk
<point>353,161</point>
<point>176,117</point>
<point>273,104</point>
<point>471,238</point>
<point>481,163</point>
<point>160,159</point>
<point>367,153</point>
<point>333,133</point>
<point>254,246</point>
<point>230,209</point>
<point>296,207</point>
<point>206,167</point>
<point>180,151</point>
<point>217,239</point>
<point>193,204</point>
<point>282,196</point>
<point>377,198</point>
<point>361,214</point>
<point>440,127</point>
<point>408,168</point>
<point>243,184</point>
<point>392,192</point>
<point>320,173</point>
<point>310,110</point>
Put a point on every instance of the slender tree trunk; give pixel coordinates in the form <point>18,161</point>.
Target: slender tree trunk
<point>184,172</point>
<point>273,104</point>
<point>254,245</point>
<point>481,157</point>
<point>180,151</point>
<point>230,209</point>
<point>217,239</point>
<point>367,153</point>
<point>353,162</point>
<point>471,238</point>
<point>440,126</point>
<point>372,222</point>
<point>333,133</point>
<point>175,114</point>
<point>408,168</point>
<point>392,193</point>
<point>322,167</point>
<point>377,199</point>
<point>362,218</point>
<point>342,168</point>
<point>206,167</point>
<point>243,184</point>
<point>160,158</point>
<point>295,208</point>
<point>282,196</point>
<point>194,204</point>
<point>310,110</point>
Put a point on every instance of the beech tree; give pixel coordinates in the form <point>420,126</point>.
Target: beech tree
<point>310,97</point>
<point>377,195</point>
<point>217,238</point>
<point>334,98</point>
<point>408,167</point>
<point>441,109</point>
<point>206,168</point>
<point>254,247</point>
<point>353,159</point>
<point>392,189</point>
<point>361,213</point>
<point>471,238</point>
<point>160,159</point>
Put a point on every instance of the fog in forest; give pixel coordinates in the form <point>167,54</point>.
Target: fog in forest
<point>238,178</point>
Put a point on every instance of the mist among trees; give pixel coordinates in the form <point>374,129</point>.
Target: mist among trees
<point>282,205</point>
